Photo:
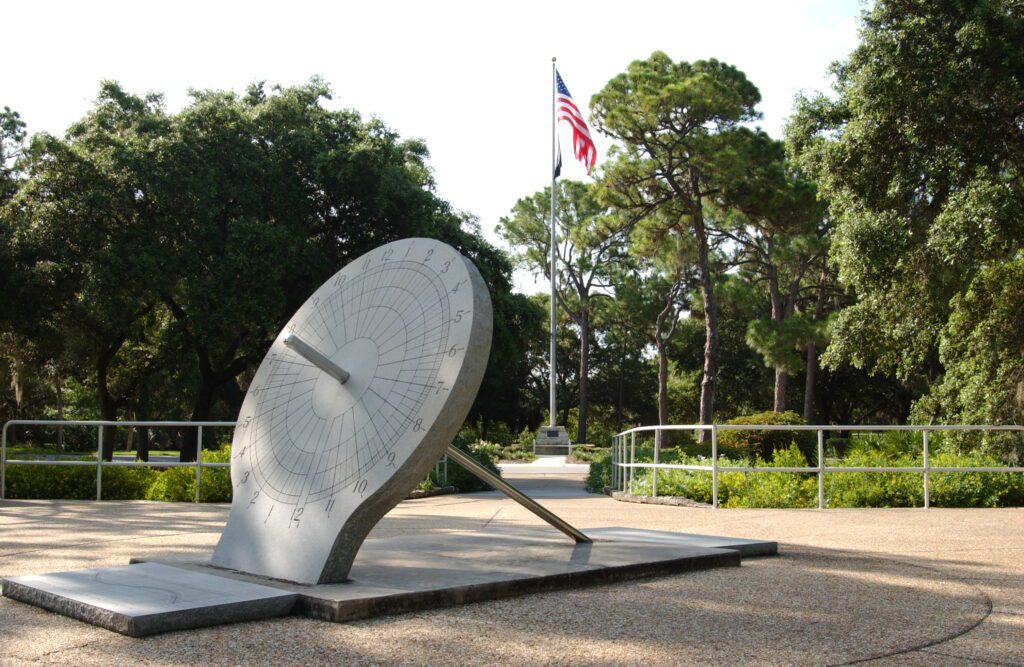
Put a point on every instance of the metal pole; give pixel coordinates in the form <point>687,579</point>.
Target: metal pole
<point>927,490</point>
<point>714,466</point>
<point>3,463</point>
<point>99,464</point>
<point>199,459</point>
<point>554,241</point>
<point>515,494</point>
<point>821,469</point>
<point>625,471</point>
<point>654,470</point>
<point>615,446</point>
<point>632,461</point>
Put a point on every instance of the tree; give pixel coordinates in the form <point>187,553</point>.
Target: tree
<point>677,126</point>
<point>779,232</point>
<point>659,291</point>
<point>589,248</point>
<point>183,242</point>
<point>919,155</point>
<point>86,260</point>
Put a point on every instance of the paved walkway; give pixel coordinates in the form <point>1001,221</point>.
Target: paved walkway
<point>877,587</point>
<point>544,465</point>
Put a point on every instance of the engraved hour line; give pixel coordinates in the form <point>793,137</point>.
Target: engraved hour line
<point>315,462</point>
<point>409,297</point>
<point>379,452</point>
<point>408,267</point>
<point>383,274</point>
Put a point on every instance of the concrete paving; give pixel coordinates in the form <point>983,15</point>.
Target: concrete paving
<point>879,587</point>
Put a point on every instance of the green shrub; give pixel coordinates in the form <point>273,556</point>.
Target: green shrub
<point>77,482</point>
<point>835,446</point>
<point>500,433</point>
<point>526,437</point>
<point>485,453</point>
<point>754,443</point>
<point>772,489</point>
<point>589,454</point>
<point>600,474</point>
<point>179,484</point>
<point>57,482</point>
<point>516,453</point>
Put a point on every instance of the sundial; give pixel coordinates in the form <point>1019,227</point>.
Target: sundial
<point>354,403</point>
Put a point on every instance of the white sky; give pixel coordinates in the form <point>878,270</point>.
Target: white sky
<point>471,78</point>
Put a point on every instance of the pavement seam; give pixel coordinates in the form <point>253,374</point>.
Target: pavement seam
<point>488,522</point>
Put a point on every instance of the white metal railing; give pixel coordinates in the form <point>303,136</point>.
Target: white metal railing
<point>100,463</point>
<point>441,468</point>
<point>624,449</point>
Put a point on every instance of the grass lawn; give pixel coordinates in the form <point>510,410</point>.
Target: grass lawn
<point>24,452</point>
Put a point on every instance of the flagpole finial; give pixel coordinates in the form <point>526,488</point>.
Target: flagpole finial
<point>553,59</point>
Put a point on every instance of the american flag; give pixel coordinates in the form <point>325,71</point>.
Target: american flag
<point>566,109</point>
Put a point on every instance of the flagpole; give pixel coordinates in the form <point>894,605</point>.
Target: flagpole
<point>554,240</point>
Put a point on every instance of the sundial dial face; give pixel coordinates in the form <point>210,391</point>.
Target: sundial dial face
<point>353,405</point>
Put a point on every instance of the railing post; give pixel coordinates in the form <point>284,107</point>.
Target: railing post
<point>614,447</point>
<point>821,469</point>
<point>99,464</point>
<point>654,470</point>
<point>632,461</point>
<point>714,466</point>
<point>927,481</point>
<point>199,459</point>
<point>3,462</point>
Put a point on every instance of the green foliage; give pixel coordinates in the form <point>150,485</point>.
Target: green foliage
<point>600,473</point>
<point>516,453</point>
<point>179,484</point>
<point>485,453</point>
<point>77,482</point>
<point>589,454</point>
<point>842,489</point>
<point>918,153</point>
<point>122,482</point>
<point>764,443</point>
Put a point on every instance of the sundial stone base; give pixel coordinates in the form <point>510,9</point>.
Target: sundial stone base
<point>147,598</point>
<point>390,575</point>
<point>552,440</point>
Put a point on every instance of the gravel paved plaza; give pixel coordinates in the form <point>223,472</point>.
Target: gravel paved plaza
<point>879,586</point>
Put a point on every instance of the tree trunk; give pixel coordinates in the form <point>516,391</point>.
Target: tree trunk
<point>581,427</point>
<point>108,406</point>
<point>142,450</point>
<point>620,400</point>
<point>131,435</point>
<point>812,352</point>
<point>710,377</point>
<point>780,389</point>
<point>809,382</point>
<point>662,382</point>
<point>201,410</point>
<point>58,383</point>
